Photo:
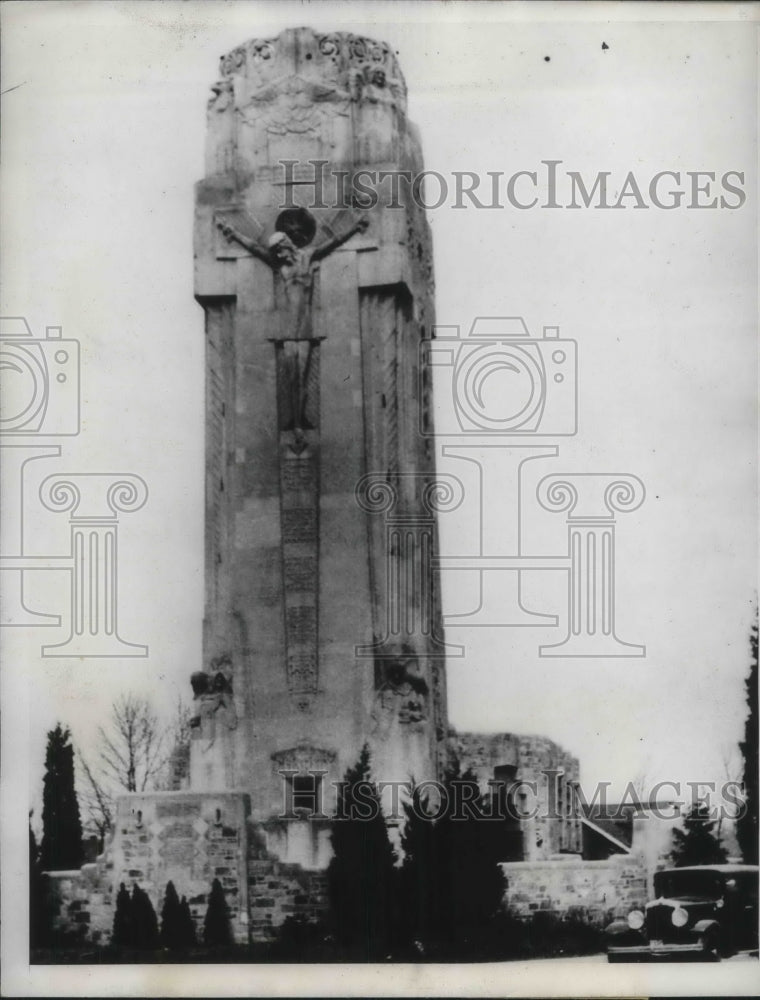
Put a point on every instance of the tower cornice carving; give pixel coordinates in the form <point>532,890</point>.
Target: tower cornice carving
<point>302,67</point>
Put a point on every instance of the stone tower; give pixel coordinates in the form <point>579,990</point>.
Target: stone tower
<point>322,629</point>
<point>322,625</point>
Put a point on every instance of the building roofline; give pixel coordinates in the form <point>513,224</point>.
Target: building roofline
<point>604,833</point>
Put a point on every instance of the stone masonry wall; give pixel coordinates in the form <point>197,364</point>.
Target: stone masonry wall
<point>277,891</point>
<point>550,826</point>
<point>594,891</point>
<point>83,904</point>
<point>190,839</point>
<point>184,837</point>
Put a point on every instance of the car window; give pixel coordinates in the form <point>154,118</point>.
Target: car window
<point>688,884</point>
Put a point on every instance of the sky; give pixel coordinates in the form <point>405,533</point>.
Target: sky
<point>103,135</point>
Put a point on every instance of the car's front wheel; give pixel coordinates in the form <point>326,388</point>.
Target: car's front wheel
<point>710,946</point>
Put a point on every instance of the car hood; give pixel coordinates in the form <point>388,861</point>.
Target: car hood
<point>686,904</point>
<point>696,908</point>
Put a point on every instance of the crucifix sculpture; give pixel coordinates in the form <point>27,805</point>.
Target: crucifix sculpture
<point>288,252</point>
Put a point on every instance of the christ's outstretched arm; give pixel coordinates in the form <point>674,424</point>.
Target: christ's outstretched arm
<point>329,245</point>
<point>253,246</point>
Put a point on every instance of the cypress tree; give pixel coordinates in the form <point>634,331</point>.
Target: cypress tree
<point>61,823</point>
<point>187,938</point>
<point>452,887</point>
<point>144,920</point>
<point>361,876</point>
<point>122,935</point>
<point>216,925</point>
<point>696,844</point>
<point>747,824</point>
<point>419,888</point>
<point>171,917</point>
<point>473,850</point>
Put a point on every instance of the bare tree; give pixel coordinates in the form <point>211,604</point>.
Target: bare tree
<point>183,715</point>
<point>131,754</point>
<point>132,748</point>
<point>96,799</point>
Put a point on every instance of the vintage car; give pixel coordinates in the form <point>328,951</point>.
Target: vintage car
<point>701,914</point>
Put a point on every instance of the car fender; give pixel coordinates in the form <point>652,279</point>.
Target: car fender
<point>704,926</point>
<point>617,927</point>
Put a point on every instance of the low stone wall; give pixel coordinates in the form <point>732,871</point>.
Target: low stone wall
<point>277,891</point>
<point>191,839</point>
<point>83,901</point>
<point>82,904</point>
<point>593,891</point>
<point>188,838</point>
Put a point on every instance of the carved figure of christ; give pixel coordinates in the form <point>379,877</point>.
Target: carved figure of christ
<point>293,261</point>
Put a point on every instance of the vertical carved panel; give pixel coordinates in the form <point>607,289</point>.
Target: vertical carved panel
<point>383,317</point>
<point>219,365</point>
<point>379,316</point>
<point>390,400</point>
<point>216,409</point>
<point>298,429</point>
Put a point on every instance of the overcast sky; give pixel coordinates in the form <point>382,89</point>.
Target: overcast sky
<point>102,142</point>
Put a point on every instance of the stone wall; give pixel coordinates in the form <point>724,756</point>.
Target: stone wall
<point>594,891</point>
<point>277,891</point>
<point>551,826</point>
<point>83,904</point>
<point>188,838</point>
<point>272,891</point>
